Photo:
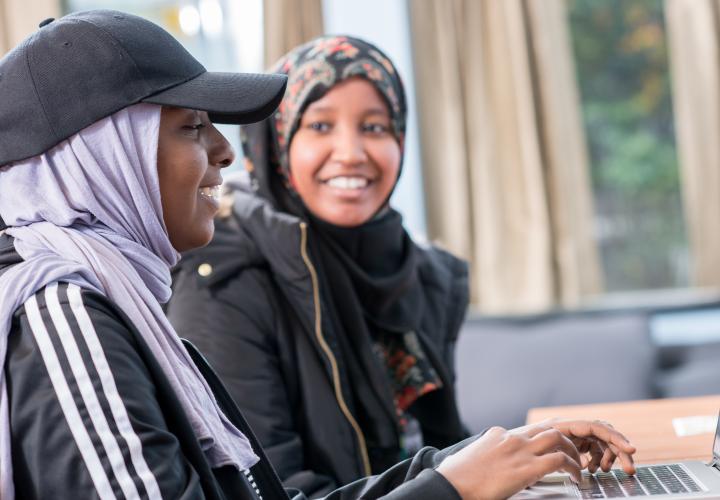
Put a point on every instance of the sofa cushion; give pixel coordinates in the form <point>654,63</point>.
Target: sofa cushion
<point>691,370</point>
<point>506,366</point>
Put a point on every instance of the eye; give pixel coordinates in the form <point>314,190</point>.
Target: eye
<point>196,127</point>
<point>375,128</point>
<point>319,126</point>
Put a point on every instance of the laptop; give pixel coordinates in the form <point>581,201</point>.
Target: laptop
<point>680,480</point>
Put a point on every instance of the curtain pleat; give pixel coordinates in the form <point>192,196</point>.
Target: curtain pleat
<point>289,23</point>
<point>504,156</point>
<point>694,42</point>
<point>20,18</point>
<point>5,43</point>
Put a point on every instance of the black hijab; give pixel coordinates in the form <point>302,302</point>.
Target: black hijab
<point>368,273</point>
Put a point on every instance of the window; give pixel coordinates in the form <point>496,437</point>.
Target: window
<point>623,72</point>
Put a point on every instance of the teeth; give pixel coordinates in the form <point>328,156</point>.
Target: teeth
<point>348,182</point>
<point>212,192</point>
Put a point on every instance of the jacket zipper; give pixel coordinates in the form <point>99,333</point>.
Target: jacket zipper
<point>326,349</point>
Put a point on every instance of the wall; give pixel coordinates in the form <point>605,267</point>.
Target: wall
<point>17,20</point>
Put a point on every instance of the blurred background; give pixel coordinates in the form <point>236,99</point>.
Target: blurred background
<point>566,148</point>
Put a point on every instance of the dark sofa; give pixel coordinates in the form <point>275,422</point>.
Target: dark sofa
<point>507,365</point>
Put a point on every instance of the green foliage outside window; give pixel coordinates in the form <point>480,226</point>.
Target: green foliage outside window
<point>623,72</point>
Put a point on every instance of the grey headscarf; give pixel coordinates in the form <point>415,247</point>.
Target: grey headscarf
<point>88,212</point>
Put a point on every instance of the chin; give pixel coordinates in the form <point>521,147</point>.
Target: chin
<point>203,239</point>
<point>195,239</point>
<point>344,215</point>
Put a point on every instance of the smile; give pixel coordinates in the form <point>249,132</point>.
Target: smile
<point>210,192</point>
<point>348,182</point>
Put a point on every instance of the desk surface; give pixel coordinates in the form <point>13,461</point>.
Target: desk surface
<point>647,424</point>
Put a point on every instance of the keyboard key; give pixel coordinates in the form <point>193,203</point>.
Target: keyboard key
<point>643,483</point>
<point>589,487</point>
<point>609,484</point>
<point>668,479</point>
<point>588,482</point>
<point>692,485</point>
<point>689,483</point>
<point>630,484</point>
<point>653,480</point>
<point>650,482</point>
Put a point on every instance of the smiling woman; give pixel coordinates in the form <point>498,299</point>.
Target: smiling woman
<point>191,153</point>
<point>103,165</point>
<point>344,158</point>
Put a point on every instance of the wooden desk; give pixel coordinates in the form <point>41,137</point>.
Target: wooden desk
<point>647,424</point>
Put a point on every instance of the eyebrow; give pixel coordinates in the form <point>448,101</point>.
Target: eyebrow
<point>377,111</point>
<point>328,109</point>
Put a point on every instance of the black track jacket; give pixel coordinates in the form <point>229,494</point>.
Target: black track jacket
<point>95,416</point>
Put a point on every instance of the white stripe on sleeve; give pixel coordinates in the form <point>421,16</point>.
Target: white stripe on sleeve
<point>87,391</point>
<point>111,393</point>
<point>67,403</point>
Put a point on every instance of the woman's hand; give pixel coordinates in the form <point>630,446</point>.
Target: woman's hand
<point>598,442</point>
<point>502,462</point>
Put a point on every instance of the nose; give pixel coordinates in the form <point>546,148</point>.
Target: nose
<point>349,147</point>
<point>220,152</point>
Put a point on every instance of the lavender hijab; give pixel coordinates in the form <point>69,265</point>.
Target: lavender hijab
<point>88,212</point>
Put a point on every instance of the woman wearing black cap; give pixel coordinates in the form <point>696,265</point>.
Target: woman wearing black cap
<point>332,329</point>
<point>109,166</point>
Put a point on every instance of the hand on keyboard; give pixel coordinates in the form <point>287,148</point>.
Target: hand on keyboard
<point>501,462</point>
<point>598,442</point>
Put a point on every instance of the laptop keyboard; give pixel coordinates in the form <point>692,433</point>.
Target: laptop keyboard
<point>652,480</point>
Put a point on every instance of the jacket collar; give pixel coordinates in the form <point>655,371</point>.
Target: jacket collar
<point>251,234</point>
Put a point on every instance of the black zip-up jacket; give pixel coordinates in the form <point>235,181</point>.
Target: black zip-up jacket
<point>251,303</point>
<point>94,416</point>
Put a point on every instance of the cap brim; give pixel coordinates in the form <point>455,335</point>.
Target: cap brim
<point>235,98</point>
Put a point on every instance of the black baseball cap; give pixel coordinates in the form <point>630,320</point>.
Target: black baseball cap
<point>85,66</point>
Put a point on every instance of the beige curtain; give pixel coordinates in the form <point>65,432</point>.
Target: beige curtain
<point>694,36</point>
<point>19,18</point>
<point>505,165</point>
<point>289,23</point>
